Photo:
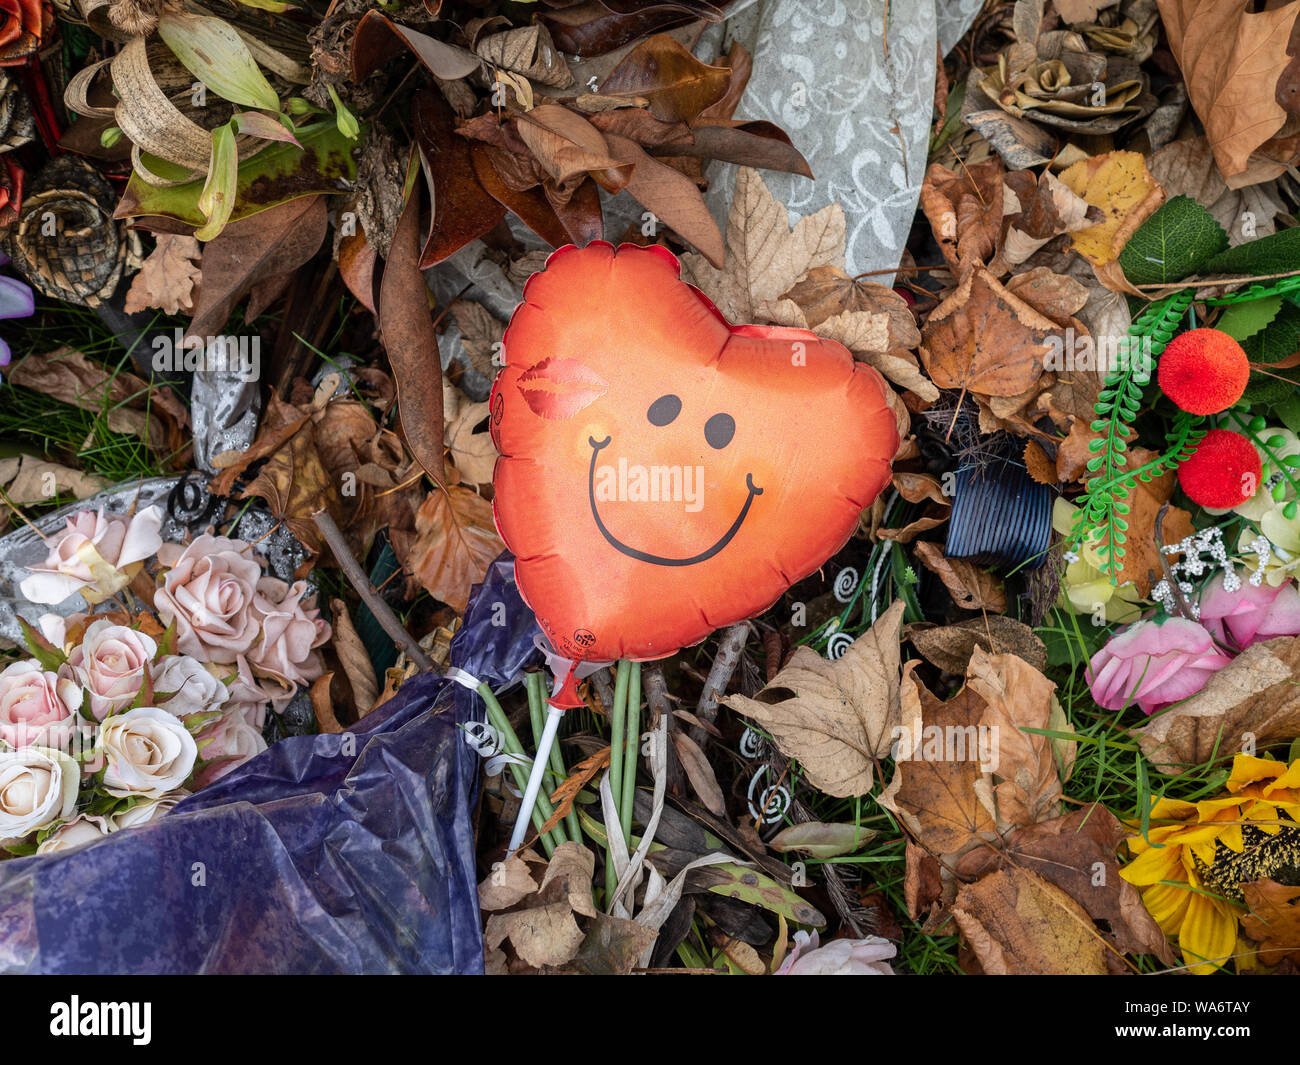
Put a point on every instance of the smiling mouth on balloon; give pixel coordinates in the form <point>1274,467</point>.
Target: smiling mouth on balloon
<point>646,556</point>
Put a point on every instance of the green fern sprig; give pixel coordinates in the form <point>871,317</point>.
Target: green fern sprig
<point>1104,502</point>
<point>1287,287</point>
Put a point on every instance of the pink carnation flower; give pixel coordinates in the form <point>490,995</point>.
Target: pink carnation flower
<point>840,957</point>
<point>1250,614</point>
<point>1154,664</point>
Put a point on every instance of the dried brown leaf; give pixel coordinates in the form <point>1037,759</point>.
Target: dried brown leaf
<point>985,339</point>
<point>1255,696</point>
<point>950,646</point>
<point>765,257</point>
<point>354,659</point>
<point>1019,924</point>
<point>971,587</point>
<point>934,792</point>
<point>167,276</point>
<point>1239,64</point>
<point>699,772</point>
<point>562,797</point>
<point>836,717</point>
<point>456,542</point>
<point>1274,919</point>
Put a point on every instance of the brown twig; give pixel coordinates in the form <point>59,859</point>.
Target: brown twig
<point>730,648</point>
<point>356,576</point>
<point>660,704</point>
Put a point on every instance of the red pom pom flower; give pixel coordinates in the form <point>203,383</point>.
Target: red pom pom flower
<point>1204,371</point>
<point>1224,471</point>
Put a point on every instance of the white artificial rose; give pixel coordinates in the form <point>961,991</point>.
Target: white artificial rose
<point>150,810</point>
<point>38,786</point>
<point>147,752</point>
<point>96,555</point>
<point>84,828</point>
<point>195,689</point>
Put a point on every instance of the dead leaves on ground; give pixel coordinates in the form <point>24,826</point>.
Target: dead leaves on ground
<point>1256,696</point>
<point>534,907</point>
<point>330,452</point>
<point>456,541</point>
<point>978,786</point>
<point>128,403</point>
<point>1239,62</point>
<point>837,718</point>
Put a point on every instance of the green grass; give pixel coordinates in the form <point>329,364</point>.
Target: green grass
<point>34,423</point>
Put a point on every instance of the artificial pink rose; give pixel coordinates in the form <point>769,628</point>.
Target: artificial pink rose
<point>226,744</point>
<point>1154,664</point>
<point>96,555</point>
<point>840,957</point>
<point>111,663</point>
<point>291,630</point>
<point>253,713</point>
<point>36,706</point>
<point>1250,614</point>
<point>208,593</point>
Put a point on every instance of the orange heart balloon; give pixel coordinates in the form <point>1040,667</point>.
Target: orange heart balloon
<point>663,472</point>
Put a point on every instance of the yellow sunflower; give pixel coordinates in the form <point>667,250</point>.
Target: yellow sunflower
<point>1196,855</point>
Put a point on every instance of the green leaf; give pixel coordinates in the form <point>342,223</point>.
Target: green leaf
<point>1279,339</point>
<point>1288,413</point>
<point>1274,254</point>
<point>49,656</point>
<point>1242,320</point>
<point>211,50</point>
<point>278,173</point>
<point>1173,243</point>
<point>217,198</point>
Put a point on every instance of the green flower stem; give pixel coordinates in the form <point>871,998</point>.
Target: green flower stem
<point>510,743</point>
<point>1103,504</point>
<point>536,685</point>
<point>617,723</point>
<point>1278,464</point>
<point>633,745</point>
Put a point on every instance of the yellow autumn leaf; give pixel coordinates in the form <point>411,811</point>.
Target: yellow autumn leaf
<point>1121,186</point>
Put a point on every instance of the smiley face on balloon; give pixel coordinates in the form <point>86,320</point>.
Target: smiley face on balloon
<point>663,472</point>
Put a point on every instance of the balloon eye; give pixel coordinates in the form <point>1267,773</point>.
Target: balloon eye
<point>664,409</point>
<point>719,430</point>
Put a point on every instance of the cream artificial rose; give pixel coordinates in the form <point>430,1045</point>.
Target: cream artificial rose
<point>38,786</point>
<point>111,663</point>
<point>96,555</point>
<point>84,828</point>
<point>291,629</point>
<point>147,752</point>
<point>37,707</point>
<point>144,812</point>
<point>193,689</point>
<point>208,593</point>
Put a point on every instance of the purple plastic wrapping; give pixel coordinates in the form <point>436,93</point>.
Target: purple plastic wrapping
<point>343,853</point>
